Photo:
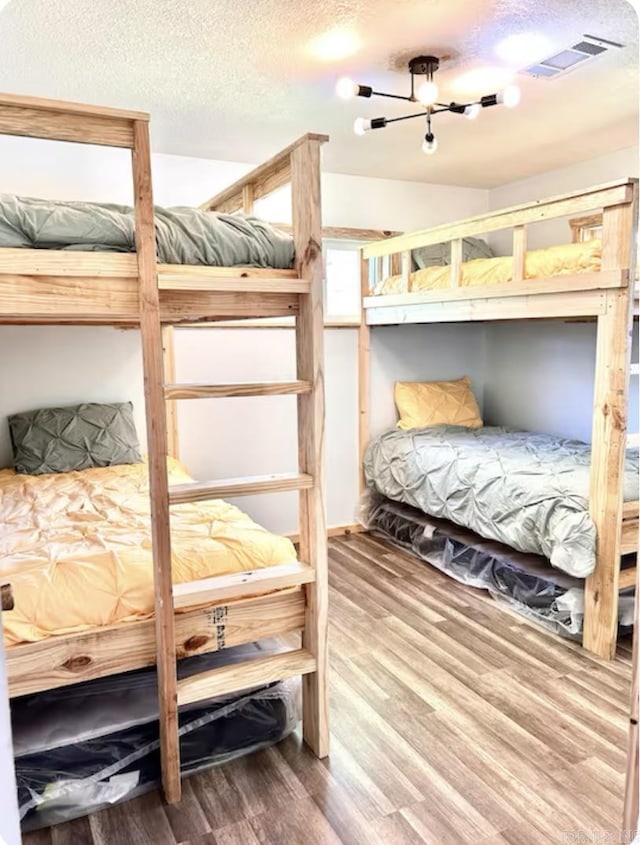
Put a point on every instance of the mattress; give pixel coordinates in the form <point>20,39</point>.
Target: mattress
<point>91,745</point>
<point>541,263</point>
<point>528,491</point>
<point>76,547</point>
<point>183,235</point>
<point>526,582</point>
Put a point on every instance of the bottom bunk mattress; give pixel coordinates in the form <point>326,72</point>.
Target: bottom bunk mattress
<point>81,748</point>
<point>76,547</point>
<point>528,491</point>
<point>527,582</point>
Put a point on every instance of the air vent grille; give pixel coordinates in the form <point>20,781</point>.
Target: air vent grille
<point>565,60</point>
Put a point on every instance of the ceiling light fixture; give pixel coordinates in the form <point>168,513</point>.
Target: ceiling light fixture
<point>426,95</point>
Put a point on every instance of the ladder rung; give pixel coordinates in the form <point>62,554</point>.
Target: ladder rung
<point>627,578</point>
<point>633,440</point>
<point>199,491</point>
<point>251,673</point>
<point>209,391</point>
<point>212,283</point>
<point>239,584</point>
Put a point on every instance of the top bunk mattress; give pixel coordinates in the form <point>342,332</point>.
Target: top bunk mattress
<point>529,491</point>
<point>560,260</point>
<point>76,547</point>
<point>183,235</point>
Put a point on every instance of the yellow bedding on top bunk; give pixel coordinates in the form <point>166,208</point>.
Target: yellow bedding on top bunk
<point>540,263</point>
<point>76,547</point>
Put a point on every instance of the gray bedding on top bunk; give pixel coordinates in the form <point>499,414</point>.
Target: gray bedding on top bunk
<point>527,490</point>
<point>183,235</point>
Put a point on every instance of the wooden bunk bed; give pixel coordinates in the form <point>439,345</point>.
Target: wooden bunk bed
<point>606,295</point>
<point>79,288</point>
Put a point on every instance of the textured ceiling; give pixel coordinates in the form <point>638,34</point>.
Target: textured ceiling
<point>237,79</point>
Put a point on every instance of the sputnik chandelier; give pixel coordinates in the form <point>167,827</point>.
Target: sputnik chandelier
<point>425,93</point>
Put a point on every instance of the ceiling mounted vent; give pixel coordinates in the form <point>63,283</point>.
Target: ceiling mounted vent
<point>571,57</point>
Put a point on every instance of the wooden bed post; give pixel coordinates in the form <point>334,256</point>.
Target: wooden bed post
<point>307,229</point>
<point>613,354</point>
<point>157,447</point>
<point>364,372</point>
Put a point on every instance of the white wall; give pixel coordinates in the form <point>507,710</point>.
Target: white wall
<point>540,375</point>
<point>61,365</point>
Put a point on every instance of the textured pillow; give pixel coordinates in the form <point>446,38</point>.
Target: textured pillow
<point>439,255</point>
<point>424,404</point>
<point>78,437</point>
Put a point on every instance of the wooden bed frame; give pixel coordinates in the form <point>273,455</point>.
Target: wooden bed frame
<point>606,295</point>
<point>76,288</point>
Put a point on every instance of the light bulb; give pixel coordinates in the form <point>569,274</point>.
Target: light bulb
<point>430,144</point>
<point>472,111</point>
<point>427,93</point>
<point>510,97</point>
<point>346,88</point>
<point>361,125</point>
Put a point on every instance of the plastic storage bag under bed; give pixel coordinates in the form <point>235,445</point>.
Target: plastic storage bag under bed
<point>84,747</point>
<point>527,582</point>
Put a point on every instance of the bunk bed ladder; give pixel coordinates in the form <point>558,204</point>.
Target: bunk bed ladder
<point>310,660</point>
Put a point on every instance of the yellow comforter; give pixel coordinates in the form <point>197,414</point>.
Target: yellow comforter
<point>539,264</point>
<point>76,547</point>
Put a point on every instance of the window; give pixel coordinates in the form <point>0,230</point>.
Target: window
<point>341,280</point>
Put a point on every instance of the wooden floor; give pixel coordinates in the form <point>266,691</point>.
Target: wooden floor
<point>453,722</point>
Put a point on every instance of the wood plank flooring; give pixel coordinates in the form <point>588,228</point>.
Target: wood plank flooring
<point>453,722</point>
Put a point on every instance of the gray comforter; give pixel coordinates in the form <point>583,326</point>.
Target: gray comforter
<point>529,491</point>
<point>183,235</point>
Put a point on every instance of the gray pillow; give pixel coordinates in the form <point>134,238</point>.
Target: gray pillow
<point>439,255</point>
<point>78,437</point>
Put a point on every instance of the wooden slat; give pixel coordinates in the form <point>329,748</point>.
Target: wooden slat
<point>611,194</point>
<point>519,253</point>
<point>405,270</point>
<point>252,673</point>
<point>213,282</point>
<point>575,282</point>
<point>64,126</point>
<point>199,491</point>
<point>241,584</point>
<point>630,510</point>
<point>151,340</point>
<point>627,578</point>
<point>542,306</point>
<point>613,351</point>
<point>264,179</point>
<point>71,658</point>
<point>345,233</point>
<point>6,597</point>
<point>65,263</point>
<point>247,199</point>
<point>209,391</point>
<point>195,306</point>
<point>169,370</point>
<point>456,263</point>
<point>100,301</point>
<point>307,227</point>
<point>82,109</point>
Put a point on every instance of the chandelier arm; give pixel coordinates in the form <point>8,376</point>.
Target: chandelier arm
<point>392,96</point>
<point>405,117</point>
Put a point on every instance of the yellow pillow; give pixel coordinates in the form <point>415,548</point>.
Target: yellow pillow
<point>423,404</point>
